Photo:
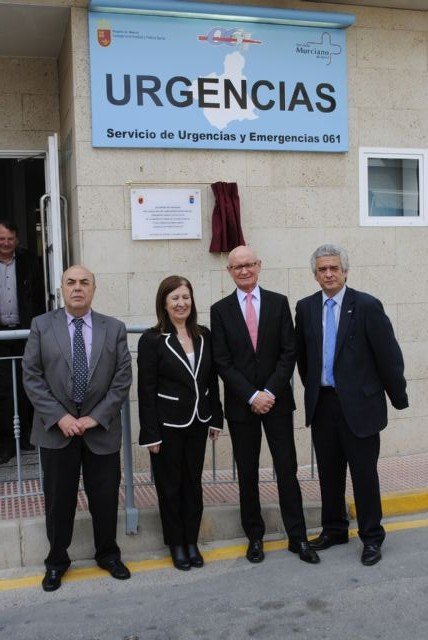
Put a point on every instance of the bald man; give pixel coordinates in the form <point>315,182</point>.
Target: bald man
<point>254,350</point>
<point>77,373</point>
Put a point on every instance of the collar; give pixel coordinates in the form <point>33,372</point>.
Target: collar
<point>11,261</point>
<point>243,294</point>
<point>338,298</point>
<point>87,318</point>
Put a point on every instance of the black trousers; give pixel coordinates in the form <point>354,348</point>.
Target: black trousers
<point>336,447</point>
<point>177,471</point>
<point>101,479</point>
<point>12,348</point>
<point>246,442</point>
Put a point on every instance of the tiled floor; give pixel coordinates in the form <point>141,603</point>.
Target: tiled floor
<point>397,474</point>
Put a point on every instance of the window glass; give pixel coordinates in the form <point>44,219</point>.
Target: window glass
<point>393,187</point>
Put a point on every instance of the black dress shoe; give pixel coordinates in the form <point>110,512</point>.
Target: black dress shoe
<point>7,455</point>
<point>255,551</point>
<point>179,557</point>
<point>371,554</point>
<point>195,558</point>
<point>304,550</point>
<point>116,569</point>
<point>325,541</point>
<point>52,579</point>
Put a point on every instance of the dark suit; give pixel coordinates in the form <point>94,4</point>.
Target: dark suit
<point>176,407</point>
<point>30,295</point>
<point>245,371</point>
<point>346,421</point>
<point>48,379</point>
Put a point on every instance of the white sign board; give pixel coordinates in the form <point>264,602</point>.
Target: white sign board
<point>166,214</point>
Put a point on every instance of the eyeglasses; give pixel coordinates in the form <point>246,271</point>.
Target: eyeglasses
<point>237,268</point>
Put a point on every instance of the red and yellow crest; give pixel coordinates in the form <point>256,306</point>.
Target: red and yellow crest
<point>104,34</point>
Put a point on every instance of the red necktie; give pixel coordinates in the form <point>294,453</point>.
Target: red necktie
<point>251,319</point>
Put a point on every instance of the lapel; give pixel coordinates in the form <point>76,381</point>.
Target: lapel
<point>22,284</point>
<point>263,318</point>
<point>239,320</point>
<point>346,314</point>
<point>60,329</point>
<point>98,338</point>
<point>316,319</point>
<point>173,344</point>
<point>19,269</point>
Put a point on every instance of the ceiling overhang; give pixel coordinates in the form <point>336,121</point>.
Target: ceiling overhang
<point>218,11</point>
<point>32,31</point>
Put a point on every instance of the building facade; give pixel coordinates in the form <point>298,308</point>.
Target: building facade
<point>291,202</point>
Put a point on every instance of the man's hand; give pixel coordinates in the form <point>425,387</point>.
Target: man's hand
<point>262,403</point>
<point>69,426</point>
<point>86,422</point>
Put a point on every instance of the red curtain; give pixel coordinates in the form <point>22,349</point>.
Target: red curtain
<point>226,221</point>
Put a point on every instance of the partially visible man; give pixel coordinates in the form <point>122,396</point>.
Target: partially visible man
<point>77,373</point>
<point>21,299</point>
<point>348,358</point>
<point>254,350</point>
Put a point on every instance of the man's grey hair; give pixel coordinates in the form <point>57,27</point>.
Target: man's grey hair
<point>330,250</point>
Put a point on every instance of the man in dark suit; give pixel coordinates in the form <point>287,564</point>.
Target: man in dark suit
<point>254,350</point>
<point>21,299</point>
<point>348,358</point>
<point>77,373</point>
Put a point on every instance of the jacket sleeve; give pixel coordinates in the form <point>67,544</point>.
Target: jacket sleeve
<point>37,389</point>
<point>110,404</point>
<point>387,353</point>
<point>286,362</point>
<point>216,407</point>
<point>302,364</point>
<point>231,376</point>
<point>148,364</point>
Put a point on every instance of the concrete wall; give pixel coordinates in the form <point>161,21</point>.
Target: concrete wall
<point>28,102</point>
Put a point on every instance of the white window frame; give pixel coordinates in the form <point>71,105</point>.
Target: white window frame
<point>390,221</point>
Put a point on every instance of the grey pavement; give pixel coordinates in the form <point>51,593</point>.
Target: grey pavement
<point>279,599</point>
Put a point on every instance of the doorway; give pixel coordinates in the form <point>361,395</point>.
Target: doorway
<point>22,184</point>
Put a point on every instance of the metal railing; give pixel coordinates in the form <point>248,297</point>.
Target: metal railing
<point>128,472</point>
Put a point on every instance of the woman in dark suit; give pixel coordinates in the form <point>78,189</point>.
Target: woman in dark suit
<point>179,405</point>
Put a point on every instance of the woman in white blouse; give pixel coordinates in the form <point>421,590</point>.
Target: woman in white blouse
<point>179,406</point>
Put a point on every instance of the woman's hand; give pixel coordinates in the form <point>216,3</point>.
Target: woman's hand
<point>214,434</point>
<point>154,448</point>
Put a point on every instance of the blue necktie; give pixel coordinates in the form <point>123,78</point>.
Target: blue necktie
<point>329,342</point>
<point>80,363</point>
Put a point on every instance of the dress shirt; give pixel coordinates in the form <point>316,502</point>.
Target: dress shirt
<point>338,298</point>
<point>242,299</point>
<point>86,332</point>
<point>191,359</point>
<point>9,312</point>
